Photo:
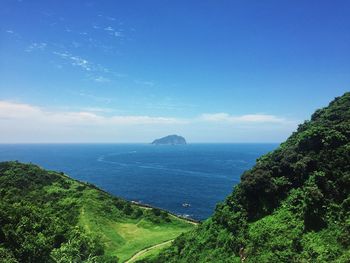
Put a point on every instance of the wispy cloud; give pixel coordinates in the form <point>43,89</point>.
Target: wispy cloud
<point>248,118</point>
<point>80,62</point>
<point>75,60</point>
<point>113,32</point>
<point>12,33</point>
<point>10,111</point>
<point>109,28</point>
<point>96,72</point>
<point>36,46</point>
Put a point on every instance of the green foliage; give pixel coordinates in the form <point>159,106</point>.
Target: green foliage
<point>292,206</point>
<point>6,256</point>
<point>157,216</point>
<point>79,248</point>
<point>47,217</point>
<point>39,216</point>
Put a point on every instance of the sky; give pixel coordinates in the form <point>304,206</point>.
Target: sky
<point>132,71</point>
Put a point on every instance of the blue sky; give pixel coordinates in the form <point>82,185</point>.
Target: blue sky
<point>132,71</point>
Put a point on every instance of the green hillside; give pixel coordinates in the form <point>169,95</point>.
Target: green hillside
<point>292,206</point>
<point>46,216</point>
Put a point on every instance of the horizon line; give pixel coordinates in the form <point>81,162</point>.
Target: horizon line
<point>137,143</point>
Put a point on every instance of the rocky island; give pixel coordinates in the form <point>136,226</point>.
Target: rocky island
<point>170,140</point>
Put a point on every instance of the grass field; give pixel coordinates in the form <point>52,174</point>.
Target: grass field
<point>124,237</point>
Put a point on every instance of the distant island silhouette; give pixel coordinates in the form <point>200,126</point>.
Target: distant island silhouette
<point>170,140</point>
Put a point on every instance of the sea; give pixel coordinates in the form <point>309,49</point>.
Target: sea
<point>188,180</point>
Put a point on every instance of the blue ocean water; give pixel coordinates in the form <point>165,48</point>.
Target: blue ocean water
<point>163,176</point>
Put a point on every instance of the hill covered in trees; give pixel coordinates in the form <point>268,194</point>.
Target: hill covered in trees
<point>46,216</point>
<point>292,206</point>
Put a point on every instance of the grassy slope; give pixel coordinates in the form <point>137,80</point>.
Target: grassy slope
<point>293,206</point>
<point>122,236</point>
<point>122,228</point>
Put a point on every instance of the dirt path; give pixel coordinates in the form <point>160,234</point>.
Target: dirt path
<point>143,251</point>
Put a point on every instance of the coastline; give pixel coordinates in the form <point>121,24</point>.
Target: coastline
<point>147,206</point>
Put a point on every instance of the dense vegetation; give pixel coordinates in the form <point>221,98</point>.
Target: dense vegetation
<point>48,217</point>
<point>292,206</point>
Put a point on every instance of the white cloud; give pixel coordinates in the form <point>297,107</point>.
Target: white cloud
<point>10,110</point>
<point>22,122</point>
<point>25,112</point>
<point>249,118</point>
